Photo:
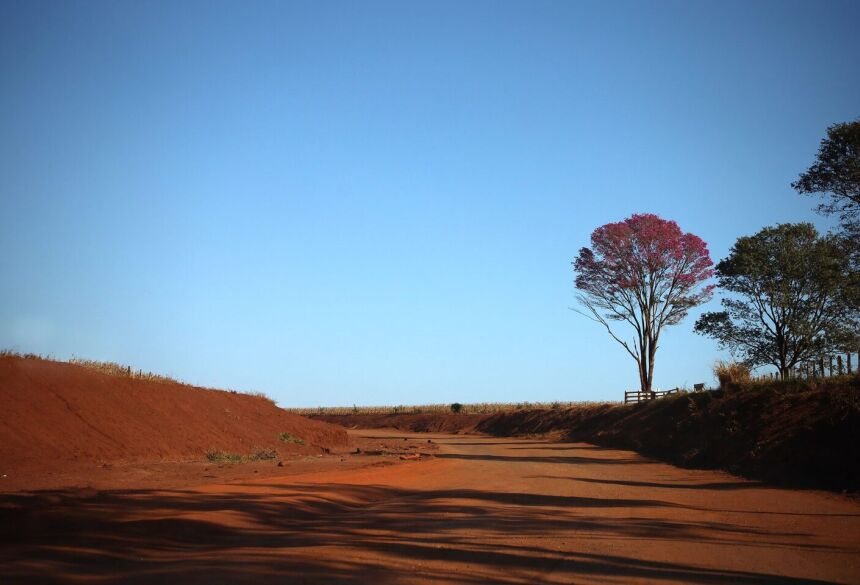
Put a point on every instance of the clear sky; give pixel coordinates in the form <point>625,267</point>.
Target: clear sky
<point>378,203</point>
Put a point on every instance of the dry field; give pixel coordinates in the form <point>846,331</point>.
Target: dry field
<point>473,408</point>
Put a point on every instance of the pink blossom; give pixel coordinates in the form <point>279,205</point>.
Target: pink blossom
<point>644,271</point>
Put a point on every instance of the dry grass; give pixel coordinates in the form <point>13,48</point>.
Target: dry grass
<point>262,395</point>
<point>115,369</point>
<point>26,356</point>
<point>288,438</point>
<point>732,373</point>
<point>122,371</point>
<point>257,454</point>
<point>475,408</point>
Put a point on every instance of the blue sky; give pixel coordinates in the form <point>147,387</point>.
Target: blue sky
<point>378,203</point>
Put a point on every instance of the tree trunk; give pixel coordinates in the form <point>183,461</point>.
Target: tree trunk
<point>652,352</point>
<point>643,378</point>
<point>783,367</point>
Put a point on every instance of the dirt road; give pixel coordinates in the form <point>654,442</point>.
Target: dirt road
<point>484,510</point>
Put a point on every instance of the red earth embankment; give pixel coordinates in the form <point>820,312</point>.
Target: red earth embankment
<point>788,433</point>
<point>57,413</point>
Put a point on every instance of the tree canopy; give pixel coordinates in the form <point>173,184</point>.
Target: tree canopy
<point>646,272</point>
<point>788,285</point>
<point>835,174</point>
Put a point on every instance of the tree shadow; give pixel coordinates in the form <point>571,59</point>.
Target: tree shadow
<point>717,486</point>
<point>570,460</point>
<point>714,485</point>
<point>570,448</point>
<point>503,443</point>
<point>343,533</point>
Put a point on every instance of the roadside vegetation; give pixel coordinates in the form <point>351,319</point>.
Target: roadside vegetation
<point>257,454</point>
<point>732,373</point>
<point>115,369</point>
<point>288,438</point>
<point>455,408</point>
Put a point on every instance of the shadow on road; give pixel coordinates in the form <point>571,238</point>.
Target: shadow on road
<point>571,460</point>
<point>342,533</point>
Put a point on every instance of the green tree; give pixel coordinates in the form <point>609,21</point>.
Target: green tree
<point>787,287</point>
<point>848,340</point>
<point>835,175</point>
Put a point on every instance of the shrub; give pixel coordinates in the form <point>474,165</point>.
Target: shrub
<point>257,454</point>
<point>732,373</point>
<point>456,407</point>
<point>288,438</point>
<point>262,453</point>
<point>218,456</point>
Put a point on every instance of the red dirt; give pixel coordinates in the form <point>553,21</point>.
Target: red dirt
<point>57,416</point>
<point>484,510</point>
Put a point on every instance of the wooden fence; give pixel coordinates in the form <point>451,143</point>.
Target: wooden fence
<point>640,396</point>
<point>821,367</point>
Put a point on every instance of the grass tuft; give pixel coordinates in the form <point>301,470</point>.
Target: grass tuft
<point>262,454</point>
<point>218,456</point>
<point>732,373</point>
<point>262,395</point>
<point>115,369</point>
<point>288,438</point>
<point>257,454</point>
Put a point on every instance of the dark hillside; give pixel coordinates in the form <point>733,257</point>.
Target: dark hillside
<point>796,432</point>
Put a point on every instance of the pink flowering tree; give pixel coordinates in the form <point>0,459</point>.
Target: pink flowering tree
<point>646,272</point>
